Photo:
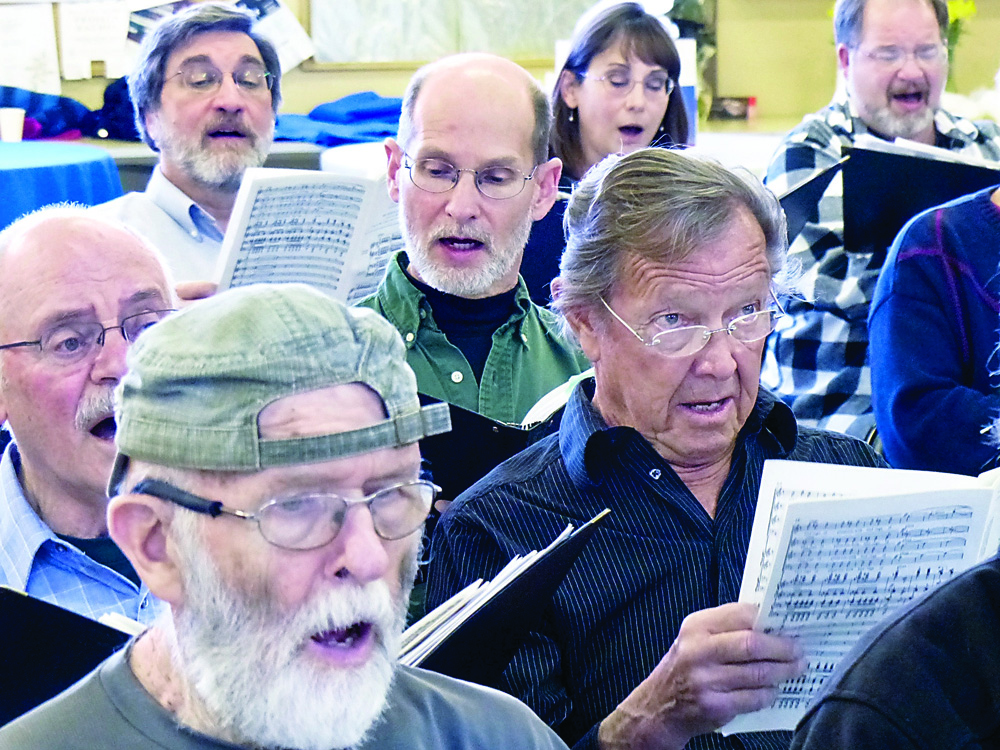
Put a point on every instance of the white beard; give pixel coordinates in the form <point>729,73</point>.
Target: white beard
<point>499,258</point>
<point>892,125</point>
<point>245,662</point>
<point>222,169</point>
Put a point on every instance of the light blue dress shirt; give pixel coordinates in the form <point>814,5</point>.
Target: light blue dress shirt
<point>34,560</point>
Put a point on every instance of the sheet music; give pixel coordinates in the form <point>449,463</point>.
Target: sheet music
<point>331,231</point>
<point>829,571</point>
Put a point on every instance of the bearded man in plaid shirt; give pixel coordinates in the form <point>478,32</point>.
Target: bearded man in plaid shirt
<point>895,63</point>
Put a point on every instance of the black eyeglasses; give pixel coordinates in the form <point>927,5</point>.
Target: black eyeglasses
<point>310,521</point>
<point>70,343</point>
<point>439,176</point>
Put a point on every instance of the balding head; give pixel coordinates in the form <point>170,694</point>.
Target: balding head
<point>470,172</point>
<point>63,272</point>
<point>485,74</point>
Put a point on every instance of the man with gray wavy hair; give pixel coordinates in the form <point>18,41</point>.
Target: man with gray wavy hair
<point>206,90</point>
<point>268,489</point>
<point>75,291</point>
<point>669,282</point>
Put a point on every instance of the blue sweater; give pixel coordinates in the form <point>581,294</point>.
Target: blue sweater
<point>933,329</point>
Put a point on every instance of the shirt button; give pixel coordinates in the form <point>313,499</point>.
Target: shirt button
<point>410,337</point>
<point>655,473</point>
<point>457,377</point>
<point>194,234</point>
<point>524,338</point>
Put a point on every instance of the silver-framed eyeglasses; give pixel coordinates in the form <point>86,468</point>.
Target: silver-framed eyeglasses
<point>891,56</point>
<point>312,520</point>
<point>620,83</point>
<point>205,78</point>
<point>74,341</point>
<point>685,341</point>
<point>439,176</point>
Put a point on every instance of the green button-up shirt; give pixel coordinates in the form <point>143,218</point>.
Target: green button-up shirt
<point>528,357</point>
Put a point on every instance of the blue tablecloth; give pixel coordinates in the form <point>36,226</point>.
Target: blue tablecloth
<point>36,173</point>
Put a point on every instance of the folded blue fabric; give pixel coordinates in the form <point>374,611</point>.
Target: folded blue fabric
<point>56,114</point>
<point>356,118</point>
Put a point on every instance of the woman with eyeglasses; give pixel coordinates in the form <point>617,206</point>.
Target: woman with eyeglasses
<point>616,92</point>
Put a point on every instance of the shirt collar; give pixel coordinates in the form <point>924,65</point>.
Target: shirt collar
<point>955,131</point>
<point>587,443</point>
<point>22,532</point>
<point>195,221</point>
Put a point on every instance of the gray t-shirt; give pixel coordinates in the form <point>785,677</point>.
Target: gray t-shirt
<point>109,709</point>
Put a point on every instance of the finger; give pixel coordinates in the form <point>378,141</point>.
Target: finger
<point>747,646</point>
<point>723,619</point>
<point>721,707</point>
<point>189,291</point>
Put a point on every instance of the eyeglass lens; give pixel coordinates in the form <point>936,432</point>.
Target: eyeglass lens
<point>438,176</point>
<point>72,342</point>
<point>202,76</point>
<point>310,521</point>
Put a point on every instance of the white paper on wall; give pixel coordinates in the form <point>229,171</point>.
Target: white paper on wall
<point>277,23</point>
<point>93,32</point>
<point>28,57</point>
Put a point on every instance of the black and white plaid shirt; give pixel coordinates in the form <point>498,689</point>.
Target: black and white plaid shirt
<point>817,358</point>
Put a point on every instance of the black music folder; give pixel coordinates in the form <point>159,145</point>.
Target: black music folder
<point>482,644</point>
<point>46,649</point>
<point>801,202</point>
<point>884,189</point>
<point>474,446</point>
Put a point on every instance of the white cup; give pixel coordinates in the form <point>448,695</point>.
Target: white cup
<point>11,124</point>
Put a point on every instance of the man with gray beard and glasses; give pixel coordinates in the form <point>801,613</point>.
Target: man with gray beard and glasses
<point>470,171</point>
<point>75,290</point>
<point>206,89</point>
<point>268,489</point>
<point>893,56</point>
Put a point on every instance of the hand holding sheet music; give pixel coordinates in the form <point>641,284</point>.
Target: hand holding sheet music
<point>834,549</point>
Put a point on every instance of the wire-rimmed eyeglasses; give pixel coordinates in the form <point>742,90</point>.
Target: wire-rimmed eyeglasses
<point>891,56</point>
<point>309,521</point>
<point>75,341</point>
<point>205,78</point>
<point>688,340</point>
<point>439,176</point>
<point>620,83</point>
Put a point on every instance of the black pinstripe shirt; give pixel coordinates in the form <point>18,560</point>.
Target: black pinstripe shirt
<point>656,559</point>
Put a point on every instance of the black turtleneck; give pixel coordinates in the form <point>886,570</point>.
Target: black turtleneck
<point>469,324</point>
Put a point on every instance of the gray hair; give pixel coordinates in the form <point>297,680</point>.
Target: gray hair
<point>849,16</point>
<point>145,82</point>
<point>542,111</point>
<point>661,205</point>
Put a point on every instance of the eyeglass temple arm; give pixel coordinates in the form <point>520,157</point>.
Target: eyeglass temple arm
<point>168,492</point>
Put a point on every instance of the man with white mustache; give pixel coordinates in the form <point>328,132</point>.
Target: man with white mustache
<point>893,55</point>
<point>470,171</point>
<point>75,291</point>
<point>268,490</point>
<point>206,89</point>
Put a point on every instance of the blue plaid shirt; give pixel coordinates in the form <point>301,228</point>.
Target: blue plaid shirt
<point>817,358</point>
<point>33,559</point>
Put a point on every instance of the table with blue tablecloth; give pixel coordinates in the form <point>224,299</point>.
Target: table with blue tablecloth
<point>36,173</point>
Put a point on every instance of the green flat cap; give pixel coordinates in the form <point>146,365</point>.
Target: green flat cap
<point>198,380</point>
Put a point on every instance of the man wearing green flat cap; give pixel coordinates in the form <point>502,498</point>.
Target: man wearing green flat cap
<point>268,490</point>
